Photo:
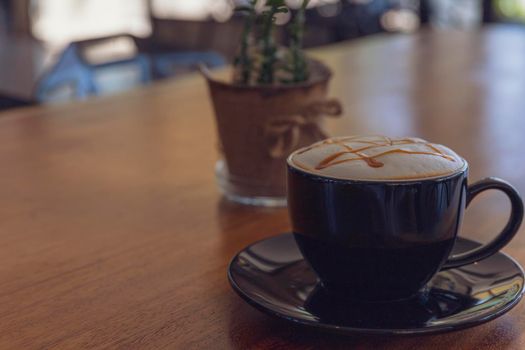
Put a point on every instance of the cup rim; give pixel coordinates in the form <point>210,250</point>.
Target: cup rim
<point>326,178</point>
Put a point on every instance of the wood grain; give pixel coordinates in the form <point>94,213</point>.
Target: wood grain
<point>114,235</point>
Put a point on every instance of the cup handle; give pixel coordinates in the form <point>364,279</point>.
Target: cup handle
<point>508,232</point>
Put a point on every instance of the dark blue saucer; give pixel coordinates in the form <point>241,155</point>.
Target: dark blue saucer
<point>272,276</point>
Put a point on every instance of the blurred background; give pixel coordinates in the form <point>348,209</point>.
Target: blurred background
<point>62,50</point>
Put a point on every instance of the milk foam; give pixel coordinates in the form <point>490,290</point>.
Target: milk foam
<point>377,158</point>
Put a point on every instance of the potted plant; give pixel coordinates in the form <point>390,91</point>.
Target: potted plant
<point>274,104</point>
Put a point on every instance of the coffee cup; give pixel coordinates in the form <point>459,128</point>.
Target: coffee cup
<point>377,217</point>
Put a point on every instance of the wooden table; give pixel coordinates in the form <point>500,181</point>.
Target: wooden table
<point>113,233</point>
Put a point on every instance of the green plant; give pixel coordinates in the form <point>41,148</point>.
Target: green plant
<point>299,68</point>
<point>260,60</point>
<point>243,60</point>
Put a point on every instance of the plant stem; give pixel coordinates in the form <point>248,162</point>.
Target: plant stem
<point>243,59</point>
<point>299,66</point>
<point>269,50</point>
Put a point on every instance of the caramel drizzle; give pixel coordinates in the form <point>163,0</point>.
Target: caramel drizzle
<point>333,159</point>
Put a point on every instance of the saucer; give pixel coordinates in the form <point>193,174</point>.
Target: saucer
<point>273,276</point>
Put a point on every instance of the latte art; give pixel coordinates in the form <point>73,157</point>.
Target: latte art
<point>377,158</point>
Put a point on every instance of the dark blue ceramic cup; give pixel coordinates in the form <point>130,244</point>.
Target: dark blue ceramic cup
<point>384,240</point>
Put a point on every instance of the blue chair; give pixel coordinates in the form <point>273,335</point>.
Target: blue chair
<point>74,76</point>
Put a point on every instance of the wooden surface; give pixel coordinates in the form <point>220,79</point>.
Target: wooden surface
<point>113,233</point>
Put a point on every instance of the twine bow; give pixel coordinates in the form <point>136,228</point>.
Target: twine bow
<point>283,133</point>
